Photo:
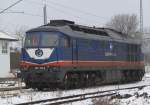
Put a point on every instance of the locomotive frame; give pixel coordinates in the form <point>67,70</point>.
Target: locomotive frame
<point>84,56</point>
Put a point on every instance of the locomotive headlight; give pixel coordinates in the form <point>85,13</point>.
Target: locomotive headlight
<point>38,52</point>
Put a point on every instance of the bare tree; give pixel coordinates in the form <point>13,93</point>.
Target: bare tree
<point>146,45</point>
<point>20,32</point>
<point>125,23</point>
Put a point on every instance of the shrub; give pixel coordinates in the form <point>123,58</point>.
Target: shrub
<point>103,101</point>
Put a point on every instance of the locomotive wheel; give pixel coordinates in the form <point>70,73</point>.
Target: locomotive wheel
<point>73,80</point>
<point>28,84</point>
<point>65,82</point>
<point>140,75</point>
<point>40,88</point>
<point>91,79</point>
<point>83,80</point>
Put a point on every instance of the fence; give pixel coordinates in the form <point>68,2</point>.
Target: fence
<point>14,60</point>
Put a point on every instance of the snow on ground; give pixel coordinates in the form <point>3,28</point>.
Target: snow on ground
<point>11,83</point>
<point>138,97</point>
<point>134,96</point>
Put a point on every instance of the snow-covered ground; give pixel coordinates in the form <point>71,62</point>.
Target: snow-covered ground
<point>138,97</point>
<point>135,96</point>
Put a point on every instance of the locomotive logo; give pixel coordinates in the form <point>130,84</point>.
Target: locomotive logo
<point>38,52</point>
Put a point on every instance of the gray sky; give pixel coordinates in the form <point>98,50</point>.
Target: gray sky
<point>85,12</point>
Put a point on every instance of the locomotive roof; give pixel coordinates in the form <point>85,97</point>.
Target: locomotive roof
<point>78,31</point>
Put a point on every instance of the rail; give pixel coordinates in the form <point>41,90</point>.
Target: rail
<point>11,82</point>
<point>79,97</point>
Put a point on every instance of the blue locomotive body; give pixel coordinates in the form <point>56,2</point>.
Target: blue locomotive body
<point>62,53</point>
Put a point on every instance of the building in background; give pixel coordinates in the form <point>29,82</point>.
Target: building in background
<point>146,43</point>
<point>146,50</point>
<point>5,41</point>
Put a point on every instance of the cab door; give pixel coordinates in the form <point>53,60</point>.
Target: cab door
<point>74,52</point>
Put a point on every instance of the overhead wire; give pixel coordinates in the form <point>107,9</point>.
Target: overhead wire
<point>75,9</point>
<point>64,12</point>
<point>22,12</point>
<point>11,11</point>
<point>10,6</point>
<point>30,14</point>
<point>59,10</point>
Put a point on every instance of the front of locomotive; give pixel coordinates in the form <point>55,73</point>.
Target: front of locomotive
<point>39,58</point>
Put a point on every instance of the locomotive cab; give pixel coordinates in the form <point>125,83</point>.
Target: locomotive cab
<point>40,45</point>
<point>45,40</point>
<point>40,56</point>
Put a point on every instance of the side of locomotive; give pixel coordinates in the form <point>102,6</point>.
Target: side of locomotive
<point>62,54</point>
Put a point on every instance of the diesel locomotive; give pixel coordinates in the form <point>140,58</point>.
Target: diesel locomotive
<point>64,54</point>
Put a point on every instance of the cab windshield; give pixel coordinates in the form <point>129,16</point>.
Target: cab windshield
<point>41,39</point>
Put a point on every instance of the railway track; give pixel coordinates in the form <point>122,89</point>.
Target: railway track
<point>10,84</point>
<point>8,79</point>
<point>24,87</point>
<point>79,97</point>
<point>11,89</point>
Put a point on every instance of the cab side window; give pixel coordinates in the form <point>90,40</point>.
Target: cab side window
<point>64,42</point>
